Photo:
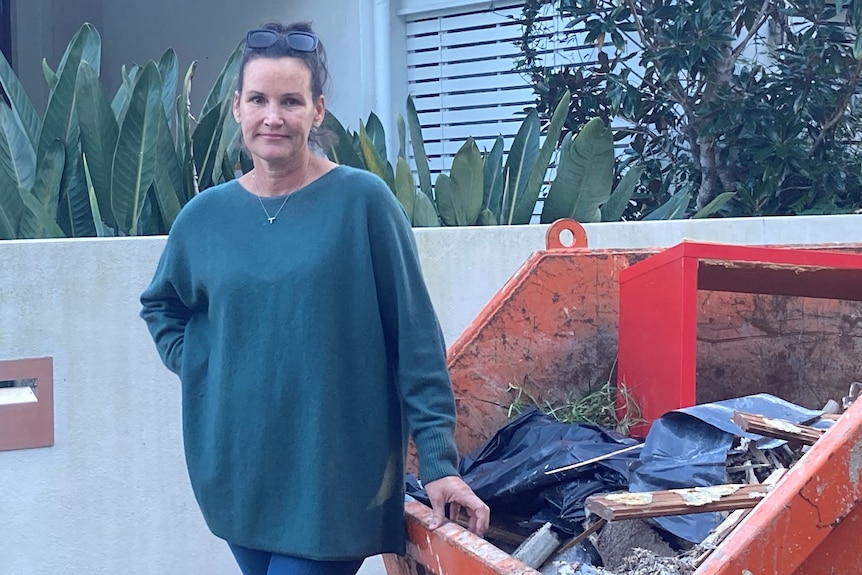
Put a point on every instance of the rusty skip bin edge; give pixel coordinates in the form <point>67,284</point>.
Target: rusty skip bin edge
<point>450,550</point>
<point>810,523</point>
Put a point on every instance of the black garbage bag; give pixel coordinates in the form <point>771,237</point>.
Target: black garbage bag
<point>688,448</point>
<point>508,472</point>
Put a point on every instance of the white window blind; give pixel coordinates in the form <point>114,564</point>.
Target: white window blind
<point>461,74</point>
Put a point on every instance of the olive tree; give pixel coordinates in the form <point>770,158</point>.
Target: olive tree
<point>747,104</point>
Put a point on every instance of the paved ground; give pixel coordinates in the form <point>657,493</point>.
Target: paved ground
<point>372,566</point>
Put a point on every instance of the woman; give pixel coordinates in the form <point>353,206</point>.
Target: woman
<point>291,304</point>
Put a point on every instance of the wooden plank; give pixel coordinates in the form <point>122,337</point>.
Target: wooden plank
<point>777,428</point>
<point>617,506</point>
<point>587,462</point>
<point>721,532</point>
<point>579,538</point>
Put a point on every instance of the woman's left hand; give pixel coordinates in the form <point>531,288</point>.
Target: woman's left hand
<point>453,491</point>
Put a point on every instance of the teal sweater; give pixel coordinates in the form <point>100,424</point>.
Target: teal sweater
<point>307,348</point>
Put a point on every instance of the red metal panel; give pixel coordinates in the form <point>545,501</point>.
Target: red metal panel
<point>657,337</point>
<point>658,307</point>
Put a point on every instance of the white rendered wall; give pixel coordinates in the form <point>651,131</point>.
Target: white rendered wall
<point>206,31</point>
<point>112,495</point>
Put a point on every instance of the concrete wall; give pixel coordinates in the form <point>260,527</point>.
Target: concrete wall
<point>111,496</point>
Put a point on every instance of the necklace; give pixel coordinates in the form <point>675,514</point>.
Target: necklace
<point>270,218</point>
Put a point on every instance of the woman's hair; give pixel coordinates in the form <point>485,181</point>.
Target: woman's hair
<point>314,61</point>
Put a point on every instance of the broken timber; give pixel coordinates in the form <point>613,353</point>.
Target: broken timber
<point>777,428</point>
<point>719,534</point>
<point>617,506</point>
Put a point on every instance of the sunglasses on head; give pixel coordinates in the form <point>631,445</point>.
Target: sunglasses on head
<point>296,40</point>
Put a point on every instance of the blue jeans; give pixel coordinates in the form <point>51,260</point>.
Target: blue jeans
<point>252,562</point>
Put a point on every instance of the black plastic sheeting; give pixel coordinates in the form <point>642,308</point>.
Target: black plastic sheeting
<point>689,447</point>
<point>684,448</point>
<point>508,472</point>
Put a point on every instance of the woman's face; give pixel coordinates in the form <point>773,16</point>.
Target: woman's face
<point>276,110</point>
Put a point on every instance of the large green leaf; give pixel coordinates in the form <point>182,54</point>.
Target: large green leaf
<point>225,84</point>
<point>228,147</point>
<point>402,136</point>
<point>373,162</point>
<point>673,209</point>
<point>168,182</point>
<point>61,118</point>
<point>50,75</point>
<point>11,210</point>
<point>150,223</point>
<point>17,156</point>
<point>101,228</point>
<point>21,105</point>
<point>530,194</point>
<point>405,189</point>
<point>120,103</point>
<point>613,209</point>
<point>85,45</point>
<point>584,176</point>
<point>169,70</point>
<point>184,138</point>
<point>418,144</point>
<point>522,156</point>
<point>74,214</point>
<point>342,150</point>
<point>493,178</point>
<point>487,218</point>
<point>49,175</point>
<point>36,222</point>
<point>11,206</point>
<point>99,133</point>
<point>716,204</point>
<point>467,175</point>
<point>449,202</point>
<point>135,158</point>
<point>424,212</point>
<point>228,165</point>
<point>205,144</point>
<point>377,135</point>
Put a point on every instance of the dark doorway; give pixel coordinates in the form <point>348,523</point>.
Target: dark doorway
<point>5,35</point>
<point>6,29</point>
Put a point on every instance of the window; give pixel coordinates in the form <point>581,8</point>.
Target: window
<point>461,73</point>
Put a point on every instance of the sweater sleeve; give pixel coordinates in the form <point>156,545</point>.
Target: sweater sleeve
<point>414,335</point>
<point>164,309</point>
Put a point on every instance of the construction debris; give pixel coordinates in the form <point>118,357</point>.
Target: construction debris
<point>618,540</point>
<point>777,428</point>
<point>644,562</point>
<point>629,545</point>
<point>617,506</point>
<point>536,549</point>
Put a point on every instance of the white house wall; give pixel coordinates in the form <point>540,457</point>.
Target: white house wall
<point>206,31</point>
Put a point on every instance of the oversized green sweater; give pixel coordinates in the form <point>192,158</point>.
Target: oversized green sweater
<point>307,348</point>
